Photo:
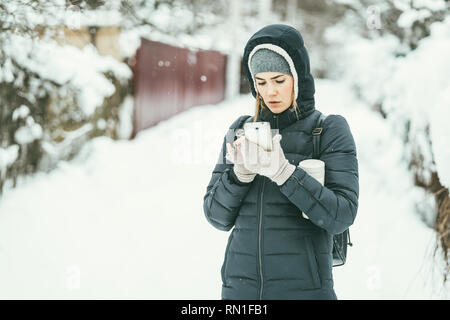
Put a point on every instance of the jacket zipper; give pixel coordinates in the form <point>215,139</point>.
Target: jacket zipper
<point>261,277</point>
<point>277,123</point>
<point>260,241</point>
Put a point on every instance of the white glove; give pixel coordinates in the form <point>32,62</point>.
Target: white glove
<point>272,164</point>
<point>235,156</point>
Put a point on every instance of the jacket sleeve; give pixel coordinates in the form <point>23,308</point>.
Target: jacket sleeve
<point>224,194</point>
<point>332,207</point>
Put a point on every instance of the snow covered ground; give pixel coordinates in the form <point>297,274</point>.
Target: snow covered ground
<point>124,220</point>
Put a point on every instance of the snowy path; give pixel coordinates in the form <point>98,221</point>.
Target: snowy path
<point>125,220</point>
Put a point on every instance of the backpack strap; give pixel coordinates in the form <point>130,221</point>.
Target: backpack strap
<point>342,240</point>
<point>317,131</point>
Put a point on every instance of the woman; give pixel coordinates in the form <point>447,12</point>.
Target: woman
<point>274,252</point>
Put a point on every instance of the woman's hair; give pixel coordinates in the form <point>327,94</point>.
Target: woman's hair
<point>260,105</point>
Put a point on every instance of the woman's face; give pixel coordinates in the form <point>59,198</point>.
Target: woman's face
<point>276,90</point>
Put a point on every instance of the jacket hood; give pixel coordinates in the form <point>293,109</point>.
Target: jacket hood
<point>288,42</point>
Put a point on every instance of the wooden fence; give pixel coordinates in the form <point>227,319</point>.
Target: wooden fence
<point>169,80</point>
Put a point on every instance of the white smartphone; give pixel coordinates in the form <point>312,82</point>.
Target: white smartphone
<point>259,133</point>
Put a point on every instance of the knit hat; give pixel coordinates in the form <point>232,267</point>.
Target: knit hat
<point>266,60</point>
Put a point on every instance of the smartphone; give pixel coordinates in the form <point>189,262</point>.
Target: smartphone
<point>259,133</point>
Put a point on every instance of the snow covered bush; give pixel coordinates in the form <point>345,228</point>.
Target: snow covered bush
<point>52,97</point>
<point>403,74</point>
<point>418,93</point>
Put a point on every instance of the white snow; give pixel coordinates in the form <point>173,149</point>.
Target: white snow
<point>417,10</point>
<point>407,18</point>
<point>57,13</point>
<point>20,113</point>
<point>6,71</point>
<point>439,135</point>
<point>7,157</point>
<point>425,100</point>
<point>432,5</point>
<point>412,89</point>
<point>176,20</point>
<point>125,218</point>
<point>125,126</point>
<point>29,132</point>
<point>61,64</point>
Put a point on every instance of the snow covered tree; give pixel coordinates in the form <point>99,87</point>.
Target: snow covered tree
<point>52,97</point>
<point>384,49</point>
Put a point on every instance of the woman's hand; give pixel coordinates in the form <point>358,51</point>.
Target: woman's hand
<point>272,164</point>
<point>235,156</point>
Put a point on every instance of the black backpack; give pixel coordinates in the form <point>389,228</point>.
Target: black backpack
<point>341,240</point>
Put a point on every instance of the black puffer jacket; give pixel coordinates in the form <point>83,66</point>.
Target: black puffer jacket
<point>273,252</point>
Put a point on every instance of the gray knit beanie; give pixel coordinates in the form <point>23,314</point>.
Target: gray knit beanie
<point>266,60</point>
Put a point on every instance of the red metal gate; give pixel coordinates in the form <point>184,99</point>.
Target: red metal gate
<point>169,80</point>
